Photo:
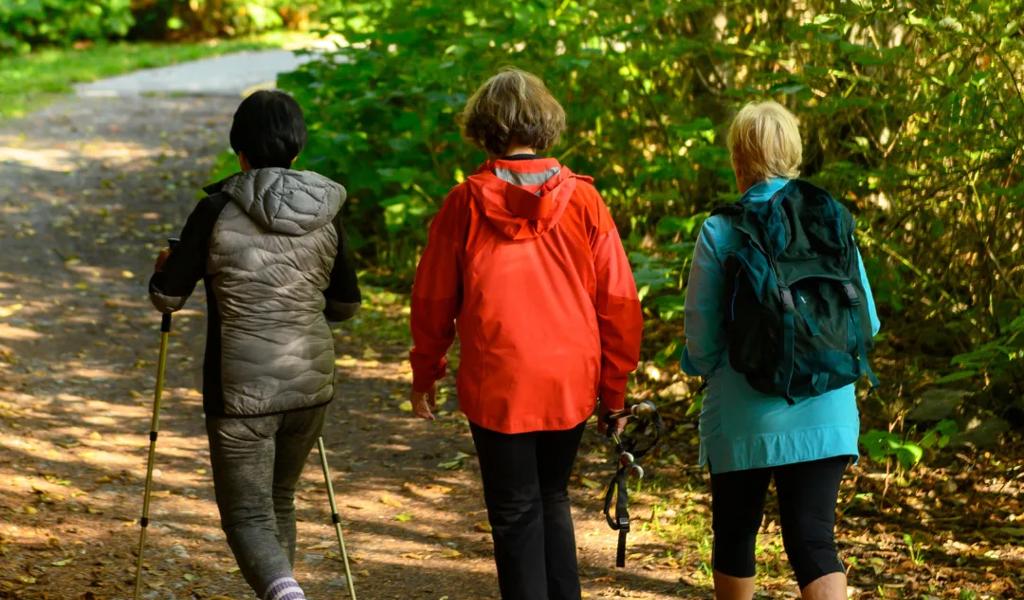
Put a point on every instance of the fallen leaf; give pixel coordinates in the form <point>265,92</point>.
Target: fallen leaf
<point>6,311</point>
<point>455,462</point>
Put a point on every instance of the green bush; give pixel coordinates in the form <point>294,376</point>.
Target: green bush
<point>24,23</point>
<point>912,113</point>
<point>163,18</point>
<point>880,446</point>
<point>27,23</point>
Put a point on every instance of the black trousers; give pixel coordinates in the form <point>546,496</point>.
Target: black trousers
<point>526,480</point>
<point>807,494</point>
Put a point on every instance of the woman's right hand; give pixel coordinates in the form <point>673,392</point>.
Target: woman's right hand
<point>616,426</point>
<point>161,259</point>
<point>423,403</point>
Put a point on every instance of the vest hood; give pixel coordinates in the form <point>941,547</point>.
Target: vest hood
<point>522,198</point>
<point>285,201</point>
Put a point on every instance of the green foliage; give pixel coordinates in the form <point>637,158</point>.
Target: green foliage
<point>1001,355</point>
<point>24,23</point>
<point>28,23</point>
<point>883,445</point>
<point>913,550</point>
<point>159,18</point>
<point>912,113</point>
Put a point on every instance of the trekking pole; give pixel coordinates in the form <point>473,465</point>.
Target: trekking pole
<point>617,495</point>
<point>335,518</point>
<point>154,428</point>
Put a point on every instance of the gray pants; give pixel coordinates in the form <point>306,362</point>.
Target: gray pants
<point>256,464</point>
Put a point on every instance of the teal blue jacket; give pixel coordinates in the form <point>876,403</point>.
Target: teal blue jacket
<point>741,428</point>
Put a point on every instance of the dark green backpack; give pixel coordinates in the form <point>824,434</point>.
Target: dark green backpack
<point>796,313</point>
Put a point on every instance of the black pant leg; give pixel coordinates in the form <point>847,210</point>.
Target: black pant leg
<point>808,492</point>
<point>737,507</point>
<point>556,453</point>
<point>508,468</point>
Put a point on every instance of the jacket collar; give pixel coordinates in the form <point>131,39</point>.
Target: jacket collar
<point>764,190</point>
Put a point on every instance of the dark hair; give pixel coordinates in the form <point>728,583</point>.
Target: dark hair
<point>513,107</point>
<point>268,127</point>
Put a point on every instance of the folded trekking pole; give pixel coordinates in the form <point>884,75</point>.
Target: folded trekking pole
<point>335,518</point>
<point>154,428</point>
<point>629,452</point>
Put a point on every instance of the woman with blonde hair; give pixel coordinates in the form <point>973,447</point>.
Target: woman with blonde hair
<point>523,261</point>
<point>779,320</point>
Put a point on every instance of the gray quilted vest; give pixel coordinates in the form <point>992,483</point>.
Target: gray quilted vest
<point>270,259</point>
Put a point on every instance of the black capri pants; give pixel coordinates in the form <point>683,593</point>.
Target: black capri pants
<point>807,493</point>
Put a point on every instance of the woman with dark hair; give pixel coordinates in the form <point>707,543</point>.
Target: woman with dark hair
<point>269,245</point>
<point>523,261</point>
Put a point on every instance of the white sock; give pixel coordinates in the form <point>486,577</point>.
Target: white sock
<point>284,588</point>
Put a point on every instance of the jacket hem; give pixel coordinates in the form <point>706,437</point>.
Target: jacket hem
<point>778,449</point>
<point>528,427</point>
<point>225,415</point>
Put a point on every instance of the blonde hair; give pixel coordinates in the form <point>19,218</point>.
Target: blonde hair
<point>512,107</point>
<point>764,141</point>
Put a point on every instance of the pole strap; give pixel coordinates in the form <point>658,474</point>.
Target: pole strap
<point>618,493</point>
<point>144,522</point>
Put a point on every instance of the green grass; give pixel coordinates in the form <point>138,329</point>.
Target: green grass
<point>29,81</point>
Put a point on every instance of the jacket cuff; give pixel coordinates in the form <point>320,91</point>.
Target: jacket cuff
<point>423,379</point>
<point>686,363</point>
<point>340,311</point>
<point>165,303</point>
<point>613,400</point>
<point>422,386</point>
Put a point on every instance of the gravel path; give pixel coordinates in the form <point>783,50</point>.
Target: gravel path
<point>227,75</point>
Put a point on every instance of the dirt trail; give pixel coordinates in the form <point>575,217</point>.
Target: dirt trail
<point>89,188</point>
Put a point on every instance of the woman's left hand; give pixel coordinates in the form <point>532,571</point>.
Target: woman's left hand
<point>423,403</point>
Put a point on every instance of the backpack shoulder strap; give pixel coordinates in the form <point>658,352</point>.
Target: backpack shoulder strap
<point>729,209</point>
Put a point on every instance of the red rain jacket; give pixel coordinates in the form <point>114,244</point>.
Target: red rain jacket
<point>534,278</point>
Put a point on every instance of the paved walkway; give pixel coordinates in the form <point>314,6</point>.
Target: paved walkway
<point>228,75</point>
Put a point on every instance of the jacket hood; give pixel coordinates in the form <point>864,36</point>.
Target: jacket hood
<point>283,200</point>
<point>523,198</point>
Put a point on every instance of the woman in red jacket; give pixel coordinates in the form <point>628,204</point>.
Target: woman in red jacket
<point>524,262</point>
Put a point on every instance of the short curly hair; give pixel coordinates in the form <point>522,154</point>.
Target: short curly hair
<point>513,107</point>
